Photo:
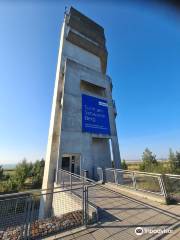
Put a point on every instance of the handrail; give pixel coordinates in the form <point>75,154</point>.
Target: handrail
<point>40,193</point>
<point>163,181</point>
<point>172,175</point>
<point>77,176</point>
<point>130,171</point>
<point>148,173</point>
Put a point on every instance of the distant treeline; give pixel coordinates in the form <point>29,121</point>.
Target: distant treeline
<point>149,163</point>
<point>25,175</point>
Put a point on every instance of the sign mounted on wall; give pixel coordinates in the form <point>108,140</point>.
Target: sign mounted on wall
<point>95,117</point>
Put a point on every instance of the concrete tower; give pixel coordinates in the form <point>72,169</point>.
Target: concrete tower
<point>82,134</point>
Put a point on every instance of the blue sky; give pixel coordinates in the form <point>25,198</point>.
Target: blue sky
<point>143,42</point>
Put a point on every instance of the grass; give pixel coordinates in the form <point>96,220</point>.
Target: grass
<point>133,166</point>
<point>10,172</point>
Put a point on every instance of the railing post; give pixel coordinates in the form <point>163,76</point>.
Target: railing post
<point>115,177</point>
<point>71,181</point>
<point>134,180</point>
<point>85,205</point>
<point>163,186</point>
<point>27,221</point>
<point>62,179</point>
<point>87,211</point>
<point>22,234</point>
<point>31,217</point>
<point>102,176</point>
<point>83,179</point>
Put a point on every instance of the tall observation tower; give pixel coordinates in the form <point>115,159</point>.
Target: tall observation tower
<point>82,133</point>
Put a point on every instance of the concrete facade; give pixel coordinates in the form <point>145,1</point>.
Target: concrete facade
<point>81,69</point>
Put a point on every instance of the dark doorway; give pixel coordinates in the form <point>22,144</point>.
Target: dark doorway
<point>71,163</point>
<point>66,163</point>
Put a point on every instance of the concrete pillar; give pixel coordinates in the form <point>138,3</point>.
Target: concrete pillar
<point>116,152</point>
<point>52,152</point>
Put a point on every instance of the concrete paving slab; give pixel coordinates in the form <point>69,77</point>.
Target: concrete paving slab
<point>120,215</point>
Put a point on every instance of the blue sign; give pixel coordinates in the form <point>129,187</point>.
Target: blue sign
<point>95,118</point>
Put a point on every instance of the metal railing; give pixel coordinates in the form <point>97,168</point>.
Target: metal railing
<point>21,215</point>
<point>68,180</point>
<point>172,185</point>
<point>142,181</point>
<point>167,185</point>
<point>100,175</point>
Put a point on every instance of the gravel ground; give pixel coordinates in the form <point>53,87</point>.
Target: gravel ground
<point>44,227</point>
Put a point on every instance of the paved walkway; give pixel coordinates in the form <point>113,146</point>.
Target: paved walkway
<point>120,215</point>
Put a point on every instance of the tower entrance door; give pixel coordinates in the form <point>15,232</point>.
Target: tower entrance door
<point>71,163</point>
